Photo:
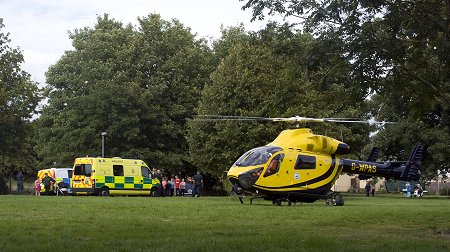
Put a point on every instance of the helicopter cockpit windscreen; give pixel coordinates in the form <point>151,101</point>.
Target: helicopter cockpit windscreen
<point>257,156</point>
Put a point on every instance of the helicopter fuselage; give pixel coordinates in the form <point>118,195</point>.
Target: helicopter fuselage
<point>297,163</point>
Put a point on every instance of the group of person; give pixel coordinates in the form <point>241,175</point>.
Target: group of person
<point>174,186</point>
<point>418,190</point>
<point>167,186</point>
<point>370,189</point>
<point>47,181</point>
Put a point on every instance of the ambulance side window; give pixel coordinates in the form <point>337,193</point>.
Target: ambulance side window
<point>118,170</point>
<point>145,172</point>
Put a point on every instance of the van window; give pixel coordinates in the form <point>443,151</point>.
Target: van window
<point>83,169</point>
<point>145,172</point>
<point>61,174</point>
<point>305,162</point>
<point>118,170</point>
<point>69,173</point>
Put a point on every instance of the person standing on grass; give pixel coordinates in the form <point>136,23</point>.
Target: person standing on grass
<point>183,187</point>
<point>368,187</point>
<point>164,185</point>
<point>177,183</point>
<point>47,183</point>
<point>372,190</point>
<point>19,182</point>
<point>37,187</point>
<point>160,179</point>
<point>172,186</point>
<point>408,189</point>
<point>198,184</point>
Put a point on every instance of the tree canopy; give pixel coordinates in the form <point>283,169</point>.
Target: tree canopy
<point>19,97</point>
<point>137,85</point>
<point>399,51</point>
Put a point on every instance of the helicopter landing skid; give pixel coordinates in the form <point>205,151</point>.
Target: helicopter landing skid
<point>241,199</point>
<point>277,202</point>
<point>255,197</point>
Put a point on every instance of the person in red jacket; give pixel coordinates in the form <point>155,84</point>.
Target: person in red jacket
<point>177,183</point>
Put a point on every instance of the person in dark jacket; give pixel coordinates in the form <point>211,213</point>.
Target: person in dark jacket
<point>158,176</point>
<point>19,182</point>
<point>47,181</point>
<point>368,188</point>
<point>198,184</point>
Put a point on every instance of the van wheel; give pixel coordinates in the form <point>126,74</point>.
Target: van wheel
<point>104,192</point>
<point>154,192</point>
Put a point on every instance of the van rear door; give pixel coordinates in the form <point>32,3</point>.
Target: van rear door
<point>82,176</point>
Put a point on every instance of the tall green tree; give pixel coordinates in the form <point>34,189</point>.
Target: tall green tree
<point>400,52</point>
<point>137,85</point>
<point>271,73</point>
<point>19,97</point>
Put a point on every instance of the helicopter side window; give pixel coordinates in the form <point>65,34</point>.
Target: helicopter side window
<point>274,165</point>
<point>305,162</point>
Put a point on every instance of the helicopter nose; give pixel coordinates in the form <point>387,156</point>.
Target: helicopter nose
<point>248,179</point>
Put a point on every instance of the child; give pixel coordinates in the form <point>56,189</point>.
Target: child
<point>177,183</point>
<point>37,187</point>
<point>183,187</point>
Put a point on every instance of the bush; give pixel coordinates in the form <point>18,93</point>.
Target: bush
<point>3,186</point>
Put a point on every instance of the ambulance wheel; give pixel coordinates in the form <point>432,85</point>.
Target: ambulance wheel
<point>154,192</point>
<point>104,192</point>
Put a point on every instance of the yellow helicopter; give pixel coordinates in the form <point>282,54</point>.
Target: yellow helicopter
<point>299,166</point>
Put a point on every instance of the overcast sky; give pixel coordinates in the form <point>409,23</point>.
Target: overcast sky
<point>39,27</point>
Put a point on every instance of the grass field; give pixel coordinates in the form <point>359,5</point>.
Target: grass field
<point>221,224</point>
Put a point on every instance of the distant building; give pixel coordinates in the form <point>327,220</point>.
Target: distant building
<point>351,183</point>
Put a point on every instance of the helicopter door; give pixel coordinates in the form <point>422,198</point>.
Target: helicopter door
<point>274,165</point>
<point>273,175</point>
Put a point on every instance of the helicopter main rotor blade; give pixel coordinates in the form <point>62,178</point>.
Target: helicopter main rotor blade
<point>230,118</point>
<point>297,119</point>
<point>358,121</point>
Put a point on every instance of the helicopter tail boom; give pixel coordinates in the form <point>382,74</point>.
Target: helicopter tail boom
<point>400,170</point>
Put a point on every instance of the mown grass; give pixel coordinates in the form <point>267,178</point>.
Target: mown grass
<point>221,224</point>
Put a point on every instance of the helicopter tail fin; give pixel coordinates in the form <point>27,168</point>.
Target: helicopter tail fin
<point>412,167</point>
<point>373,154</point>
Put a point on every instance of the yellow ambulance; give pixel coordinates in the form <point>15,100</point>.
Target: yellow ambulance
<point>112,176</point>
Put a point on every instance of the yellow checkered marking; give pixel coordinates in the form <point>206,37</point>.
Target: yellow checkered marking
<point>119,182</point>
